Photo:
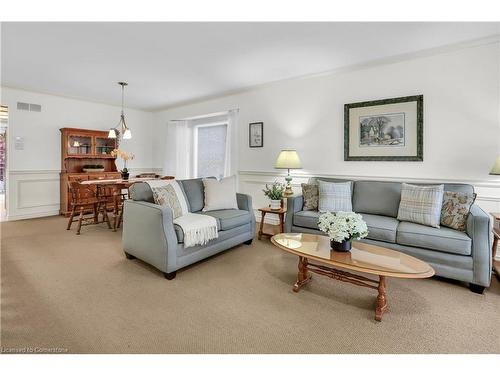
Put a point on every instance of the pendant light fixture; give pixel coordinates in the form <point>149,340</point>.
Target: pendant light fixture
<point>113,132</point>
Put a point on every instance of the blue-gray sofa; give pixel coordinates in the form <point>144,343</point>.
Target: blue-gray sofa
<point>464,256</point>
<point>149,233</point>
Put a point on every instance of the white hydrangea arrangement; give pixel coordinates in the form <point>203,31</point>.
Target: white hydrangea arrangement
<point>343,226</point>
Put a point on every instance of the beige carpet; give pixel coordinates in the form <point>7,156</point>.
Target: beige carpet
<point>80,294</point>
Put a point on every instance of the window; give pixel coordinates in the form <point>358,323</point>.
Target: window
<point>210,144</point>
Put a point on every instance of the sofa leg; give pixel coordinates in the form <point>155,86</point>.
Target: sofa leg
<point>170,276</point>
<point>476,288</point>
<point>249,242</point>
<point>129,256</point>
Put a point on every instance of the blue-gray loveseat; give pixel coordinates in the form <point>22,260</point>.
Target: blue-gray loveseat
<point>464,256</point>
<point>149,233</point>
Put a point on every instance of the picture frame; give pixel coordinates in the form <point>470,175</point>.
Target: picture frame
<point>384,130</point>
<point>256,134</point>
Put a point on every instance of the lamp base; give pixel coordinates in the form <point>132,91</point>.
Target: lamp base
<point>288,189</point>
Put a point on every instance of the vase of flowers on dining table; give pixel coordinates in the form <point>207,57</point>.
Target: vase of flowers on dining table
<point>125,156</point>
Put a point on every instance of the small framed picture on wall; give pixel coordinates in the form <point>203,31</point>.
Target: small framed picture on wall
<point>256,134</point>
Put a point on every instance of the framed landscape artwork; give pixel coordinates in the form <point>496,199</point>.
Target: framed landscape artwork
<point>256,134</point>
<point>384,130</point>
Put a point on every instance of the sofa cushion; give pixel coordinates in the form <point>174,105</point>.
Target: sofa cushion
<point>310,193</point>
<point>381,228</point>
<point>456,208</point>
<point>220,194</point>
<point>141,191</point>
<point>306,219</point>
<point>195,193</point>
<point>376,197</point>
<point>335,196</point>
<point>441,239</point>
<point>228,219</point>
<point>421,204</point>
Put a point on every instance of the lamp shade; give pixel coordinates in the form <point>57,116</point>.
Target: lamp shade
<point>496,167</point>
<point>112,133</point>
<point>127,134</point>
<point>288,159</point>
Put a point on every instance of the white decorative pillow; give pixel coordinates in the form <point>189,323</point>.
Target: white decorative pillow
<point>421,204</point>
<point>220,194</point>
<point>334,196</point>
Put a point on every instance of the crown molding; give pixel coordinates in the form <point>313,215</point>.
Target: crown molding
<point>490,39</point>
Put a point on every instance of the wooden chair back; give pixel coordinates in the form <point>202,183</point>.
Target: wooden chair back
<point>167,178</point>
<point>81,194</point>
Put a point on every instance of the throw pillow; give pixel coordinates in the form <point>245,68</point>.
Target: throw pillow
<point>421,204</point>
<point>310,193</point>
<point>220,194</point>
<point>456,207</point>
<point>334,196</point>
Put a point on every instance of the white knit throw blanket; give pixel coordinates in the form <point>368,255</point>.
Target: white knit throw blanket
<point>198,229</point>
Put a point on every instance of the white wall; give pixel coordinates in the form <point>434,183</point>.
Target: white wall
<point>461,121</point>
<point>461,127</point>
<point>33,185</point>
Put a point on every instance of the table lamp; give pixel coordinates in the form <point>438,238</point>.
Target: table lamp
<point>496,167</point>
<point>288,159</point>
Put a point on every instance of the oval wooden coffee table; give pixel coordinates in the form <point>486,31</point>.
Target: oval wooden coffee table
<point>363,257</point>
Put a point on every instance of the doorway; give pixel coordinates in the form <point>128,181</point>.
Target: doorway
<point>4,118</point>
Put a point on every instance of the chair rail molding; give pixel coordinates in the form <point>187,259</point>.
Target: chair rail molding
<point>35,193</point>
<point>252,182</point>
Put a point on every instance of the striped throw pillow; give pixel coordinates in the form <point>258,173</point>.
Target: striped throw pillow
<point>334,196</point>
<point>421,204</point>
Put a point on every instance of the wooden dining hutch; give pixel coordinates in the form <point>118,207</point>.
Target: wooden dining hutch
<point>83,147</point>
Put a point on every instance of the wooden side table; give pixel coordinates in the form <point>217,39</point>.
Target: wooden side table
<point>266,210</point>
<point>496,236</point>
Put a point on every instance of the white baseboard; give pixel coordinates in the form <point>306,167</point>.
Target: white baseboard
<point>32,215</point>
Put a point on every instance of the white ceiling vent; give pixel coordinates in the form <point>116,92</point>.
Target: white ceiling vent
<point>29,107</point>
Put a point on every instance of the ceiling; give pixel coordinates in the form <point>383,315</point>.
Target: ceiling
<point>170,63</point>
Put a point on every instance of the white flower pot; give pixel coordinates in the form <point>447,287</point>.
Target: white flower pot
<point>275,204</point>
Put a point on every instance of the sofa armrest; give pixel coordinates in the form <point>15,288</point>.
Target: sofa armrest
<point>478,228</point>
<point>293,204</point>
<point>148,234</point>
<point>244,201</point>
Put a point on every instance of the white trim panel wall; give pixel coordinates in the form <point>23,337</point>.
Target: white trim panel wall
<point>35,193</point>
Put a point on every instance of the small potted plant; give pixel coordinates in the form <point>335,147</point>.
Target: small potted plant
<point>342,228</point>
<point>125,157</point>
<point>275,194</point>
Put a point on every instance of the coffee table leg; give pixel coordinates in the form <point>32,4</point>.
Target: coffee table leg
<point>303,277</point>
<point>381,300</point>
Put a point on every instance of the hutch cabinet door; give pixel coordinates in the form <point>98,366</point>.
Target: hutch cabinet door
<point>104,146</point>
<point>79,145</point>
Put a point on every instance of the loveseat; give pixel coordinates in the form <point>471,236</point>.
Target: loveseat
<point>149,233</point>
<point>464,256</point>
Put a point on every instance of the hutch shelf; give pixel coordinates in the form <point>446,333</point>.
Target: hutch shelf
<point>80,147</point>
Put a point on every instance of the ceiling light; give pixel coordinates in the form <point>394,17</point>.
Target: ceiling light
<point>127,134</point>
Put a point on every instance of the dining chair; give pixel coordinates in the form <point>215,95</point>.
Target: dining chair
<point>84,199</point>
<point>119,203</point>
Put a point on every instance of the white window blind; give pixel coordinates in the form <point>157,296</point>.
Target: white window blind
<point>210,149</point>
